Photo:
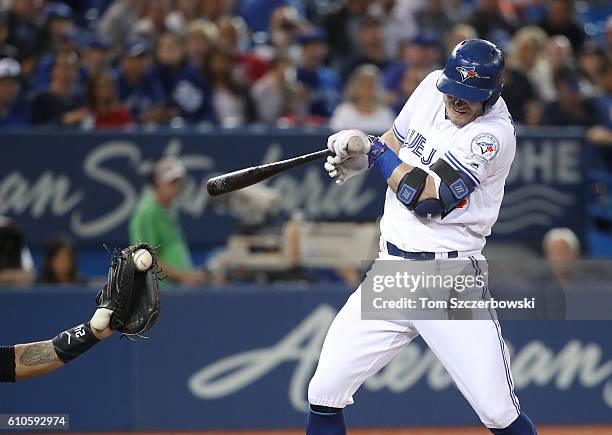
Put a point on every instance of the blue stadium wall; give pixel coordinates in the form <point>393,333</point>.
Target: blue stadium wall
<point>242,356</point>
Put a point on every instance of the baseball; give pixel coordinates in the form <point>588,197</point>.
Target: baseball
<point>143,259</point>
<point>101,319</point>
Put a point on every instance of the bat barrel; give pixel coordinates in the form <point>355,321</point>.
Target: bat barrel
<point>247,177</point>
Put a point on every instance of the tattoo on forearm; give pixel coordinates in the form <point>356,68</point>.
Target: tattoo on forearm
<point>38,354</point>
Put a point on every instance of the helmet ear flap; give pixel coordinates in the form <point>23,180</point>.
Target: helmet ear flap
<point>493,98</point>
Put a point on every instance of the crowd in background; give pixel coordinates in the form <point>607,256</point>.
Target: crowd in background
<point>343,63</point>
<point>338,63</point>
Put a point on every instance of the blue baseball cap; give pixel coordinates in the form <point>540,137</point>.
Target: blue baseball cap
<point>59,10</point>
<point>425,38</point>
<point>314,34</point>
<point>135,47</point>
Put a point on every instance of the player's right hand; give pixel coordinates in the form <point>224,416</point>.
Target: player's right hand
<point>344,168</point>
<point>348,143</point>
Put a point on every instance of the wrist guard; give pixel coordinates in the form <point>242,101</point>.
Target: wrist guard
<point>73,342</point>
<point>381,159</point>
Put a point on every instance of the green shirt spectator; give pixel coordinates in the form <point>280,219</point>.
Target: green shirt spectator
<point>160,228</point>
<point>155,221</point>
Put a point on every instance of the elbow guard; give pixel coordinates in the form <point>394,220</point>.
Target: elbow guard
<point>410,187</point>
<point>454,187</point>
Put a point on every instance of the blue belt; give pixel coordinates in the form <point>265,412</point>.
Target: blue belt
<point>422,256</point>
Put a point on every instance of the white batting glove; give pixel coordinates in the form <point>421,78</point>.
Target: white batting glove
<point>343,169</point>
<point>348,143</point>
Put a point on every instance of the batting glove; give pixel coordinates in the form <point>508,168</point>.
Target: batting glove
<point>347,143</point>
<point>343,169</point>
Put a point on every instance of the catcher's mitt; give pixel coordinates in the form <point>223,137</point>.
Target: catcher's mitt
<point>133,296</point>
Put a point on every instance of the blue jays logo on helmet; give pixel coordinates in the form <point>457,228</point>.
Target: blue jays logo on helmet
<point>473,72</point>
<point>468,72</point>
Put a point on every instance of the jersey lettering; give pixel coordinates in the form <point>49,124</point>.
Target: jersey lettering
<point>416,142</point>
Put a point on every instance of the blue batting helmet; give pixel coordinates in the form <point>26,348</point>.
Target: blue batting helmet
<point>473,72</point>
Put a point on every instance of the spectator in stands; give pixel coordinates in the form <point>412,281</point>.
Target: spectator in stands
<point>258,13</point>
<point>214,10</point>
<point>322,83</point>
<point>278,94</point>
<point>201,37</point>
<point>561,249</point>
<point>6,49</point>
<point>96,54</point>
<point>410,80</point>
<point>62,102</point>
<point>59,22</point>
<point>371,44</point>
<point>364,107</point>
<point>285,25</point>
<point>156,222</point>
<point>434,18</point>
<point>13,107</point>
<point>103,104</point>
<point>231,101</point>
<point>527,56</point>
<point>601,133</point>
<point>343,29</point>
<point>119,21</point>
<point>570,108</point>
<point>399,23</point>
<point>16,263</point>
<point>591,60</point>
<point>153,22</point>
<point>560,20</point>
<point>456,34</point>
<point>140,88</point>
<point>420,52</point>
<point>59,263</point>
<point>24,33</point>
<point>188,94</point>
<point>489,21</point>
<point>72,41</point>
<point>560,55</point>
<point>185,12</point>
<point>233,35</point>
<point>520,97</point>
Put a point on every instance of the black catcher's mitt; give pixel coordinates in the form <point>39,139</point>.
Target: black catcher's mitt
<point>132,295</point>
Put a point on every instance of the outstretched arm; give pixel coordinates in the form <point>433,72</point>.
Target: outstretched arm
<point>24,361</point>
<point>35,359</point>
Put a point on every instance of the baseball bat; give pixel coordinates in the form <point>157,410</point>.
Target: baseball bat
<point>236,180</point>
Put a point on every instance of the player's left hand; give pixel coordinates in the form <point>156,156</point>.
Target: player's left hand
<point>343,169</point>
<point>348,143</point>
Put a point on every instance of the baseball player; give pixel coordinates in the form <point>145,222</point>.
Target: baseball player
<point>128,303</point>
<point>29,360</point>
<point>445,159</point>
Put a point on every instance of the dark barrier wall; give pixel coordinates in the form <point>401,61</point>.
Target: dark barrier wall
<point>241,357</point>
<point>86,184</point>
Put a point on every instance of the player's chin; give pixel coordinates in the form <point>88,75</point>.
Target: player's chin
<point>461,118</point>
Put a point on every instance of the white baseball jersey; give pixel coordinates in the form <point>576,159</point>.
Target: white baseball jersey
<point>483,151</point>
<point>472,351</point>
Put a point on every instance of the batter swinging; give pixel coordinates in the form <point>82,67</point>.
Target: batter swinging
<point>446,160</point>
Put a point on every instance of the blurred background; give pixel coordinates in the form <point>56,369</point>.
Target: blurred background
<point>113,114</point>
